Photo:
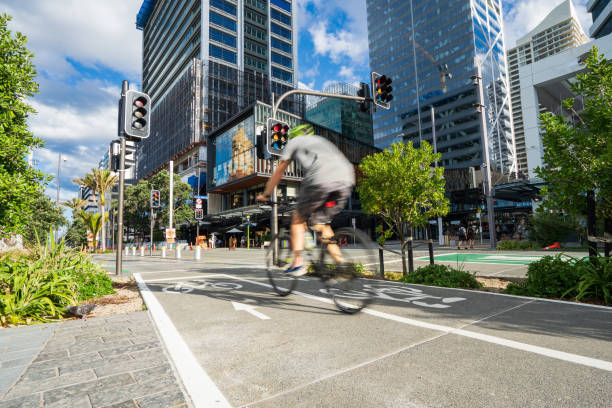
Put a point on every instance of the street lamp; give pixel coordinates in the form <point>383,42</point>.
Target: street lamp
<point>480,108</point>
<point>59,167</point>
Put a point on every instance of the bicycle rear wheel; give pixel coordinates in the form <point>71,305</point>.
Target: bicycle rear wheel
<point>282,283</point>
<point>346,280</point>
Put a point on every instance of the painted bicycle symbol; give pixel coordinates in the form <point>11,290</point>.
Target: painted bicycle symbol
<point>402,294</point>
<point>182,287</point>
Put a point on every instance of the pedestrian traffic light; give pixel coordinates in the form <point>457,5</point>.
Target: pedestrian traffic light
<point>364,92</point>
<point>136,108</point>
<point>381,90</point>
<point>155,199</point>
<point>277,136</point>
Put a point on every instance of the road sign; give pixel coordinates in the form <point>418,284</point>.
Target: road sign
<point>199,214</point>
<point>203,197</point>
<point>170,235</point>
<point>198,203</point>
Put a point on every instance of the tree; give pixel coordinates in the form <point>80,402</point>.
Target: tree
<point>77,232</point>
<point>93,222</point>
<point>20,184</point>
<point>45,214</point>
<point>578,145</point>
<point>137,203</point>
<point>104,182</point>
<point>400,185</point>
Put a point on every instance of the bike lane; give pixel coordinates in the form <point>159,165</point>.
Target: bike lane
<point>415,345</point>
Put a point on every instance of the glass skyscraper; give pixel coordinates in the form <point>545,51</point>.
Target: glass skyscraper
<point>419,43</point>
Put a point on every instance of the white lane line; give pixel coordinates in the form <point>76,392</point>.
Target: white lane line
<point>199,386</point>
<point>508,270</point>
<point>559,355</point>
<point>250,309</point>
<point>185,277</point>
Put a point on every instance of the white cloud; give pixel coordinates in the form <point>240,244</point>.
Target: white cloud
<point>339,44</point>
<point>348,74</point>
<point>93,33</point>
<point>525,15</point>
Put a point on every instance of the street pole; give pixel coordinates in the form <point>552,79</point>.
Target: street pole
<point>248,231</point>
<point>435,148</point>
<point>171,166</point>
<point>59,165</point>
<point>486,164</point>
<point>118,260</point>
<point>152,222</point>
<point>198,221</point>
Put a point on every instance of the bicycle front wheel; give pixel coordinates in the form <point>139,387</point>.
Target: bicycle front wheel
<point>282,283</point>
<point>346,279</point>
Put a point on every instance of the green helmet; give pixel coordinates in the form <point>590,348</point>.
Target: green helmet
<point>301,130</point>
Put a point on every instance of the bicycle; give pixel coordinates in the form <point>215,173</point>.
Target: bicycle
<point>341,281</point>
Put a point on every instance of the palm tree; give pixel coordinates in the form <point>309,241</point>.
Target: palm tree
<point>90,182</point>
<point>75,203</point>
<point>93,223</point>
<point>104,181</point>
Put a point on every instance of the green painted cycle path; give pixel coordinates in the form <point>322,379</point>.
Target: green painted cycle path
<point>503,259</point>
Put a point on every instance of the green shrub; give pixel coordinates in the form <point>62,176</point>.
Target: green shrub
<point>547,228</point>
<point>93,285</point>
<point>595,279</point>
<point>548,277</point>
<point>514,245</point>
<point>442,275</point>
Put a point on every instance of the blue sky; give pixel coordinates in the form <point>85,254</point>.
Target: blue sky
<point>85,48</point>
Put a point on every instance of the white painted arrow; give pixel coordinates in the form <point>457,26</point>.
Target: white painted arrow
<point>250,309</point>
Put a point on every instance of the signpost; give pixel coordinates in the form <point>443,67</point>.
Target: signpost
<point>170,235</point>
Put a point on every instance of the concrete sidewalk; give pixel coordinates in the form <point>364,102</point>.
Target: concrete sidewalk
<point>115,361</point>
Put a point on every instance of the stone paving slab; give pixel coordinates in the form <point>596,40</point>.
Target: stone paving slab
<point>115,361</point>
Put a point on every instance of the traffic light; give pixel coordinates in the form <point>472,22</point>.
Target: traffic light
<point>364,92</point>
<point>155,199</point>
<point>136,108</point>
<point>381,90</point>
<point>261,144</point>
<point>277,136</point>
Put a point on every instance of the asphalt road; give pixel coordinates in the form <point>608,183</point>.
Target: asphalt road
<point>236,343</point>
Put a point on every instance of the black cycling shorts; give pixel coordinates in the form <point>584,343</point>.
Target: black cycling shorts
<point>320,204</point>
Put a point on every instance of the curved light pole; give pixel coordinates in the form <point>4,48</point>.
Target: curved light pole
<point>59,167</point>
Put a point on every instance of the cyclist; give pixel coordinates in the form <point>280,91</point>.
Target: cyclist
<point>328,180</point>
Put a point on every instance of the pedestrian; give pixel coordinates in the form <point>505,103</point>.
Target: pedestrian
<point>470,237</point>
<point>462,237</point>
<point>243,242</point>
<point>213,241</point>
<point>519,231</point>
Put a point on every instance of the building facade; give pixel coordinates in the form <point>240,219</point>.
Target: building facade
<point>419,43</point>
<point>559,30</point>
<point>601,11</point>
<point>342,115</point>
<point>203,62</point>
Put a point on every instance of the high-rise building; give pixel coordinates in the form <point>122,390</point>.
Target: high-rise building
<point>601,11</point>
<point>558,31</point>
<point>203,62</point>
<point>341,115</point>
<point>431,49</point>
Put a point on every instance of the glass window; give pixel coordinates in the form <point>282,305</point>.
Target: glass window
<point>281,45</point>
<point>282,75</point>
<point>257,3</point>
<point>255,17</point>
<point>225,22</point>
<point>256,62</point>
<point>222,53</point>
<point>223,5</point>
<point>285,5</point>
<point>278,16</point>
<point>255,32</point>
<point>235,152</point>
<point>276,29</point>
<point>222,37</point>
<point>282,60</point>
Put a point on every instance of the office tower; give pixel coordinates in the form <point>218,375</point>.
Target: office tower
<point>558,31</point>
<point>203,62</point>
<point>431,50</point>
<point>601,11</point>
<point>341,115</point>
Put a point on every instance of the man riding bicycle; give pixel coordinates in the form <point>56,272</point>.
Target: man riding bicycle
<point>328,180</point>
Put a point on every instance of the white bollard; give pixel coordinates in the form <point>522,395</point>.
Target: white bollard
<point>178,251</point>
<point>197,253</point>
<point>163,251</point>
<point>133,250</point>
<point>127,251</point>
<point>142,251</point>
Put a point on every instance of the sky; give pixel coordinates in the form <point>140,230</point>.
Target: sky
<point>83,49</point>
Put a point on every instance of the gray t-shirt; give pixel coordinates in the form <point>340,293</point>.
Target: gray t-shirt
<point>321,161</point>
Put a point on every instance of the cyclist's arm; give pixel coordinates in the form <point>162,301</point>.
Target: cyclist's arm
<point>274,180</point>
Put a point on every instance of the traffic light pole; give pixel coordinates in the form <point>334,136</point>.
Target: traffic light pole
<point>118,260</point>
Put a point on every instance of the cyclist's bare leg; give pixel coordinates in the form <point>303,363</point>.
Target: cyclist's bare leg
<point>326,234</point>
<point>298,227</point>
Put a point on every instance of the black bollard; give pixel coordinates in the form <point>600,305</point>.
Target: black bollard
<point>431,254</point>
<point>382,262</point>
<point>410,256</point>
